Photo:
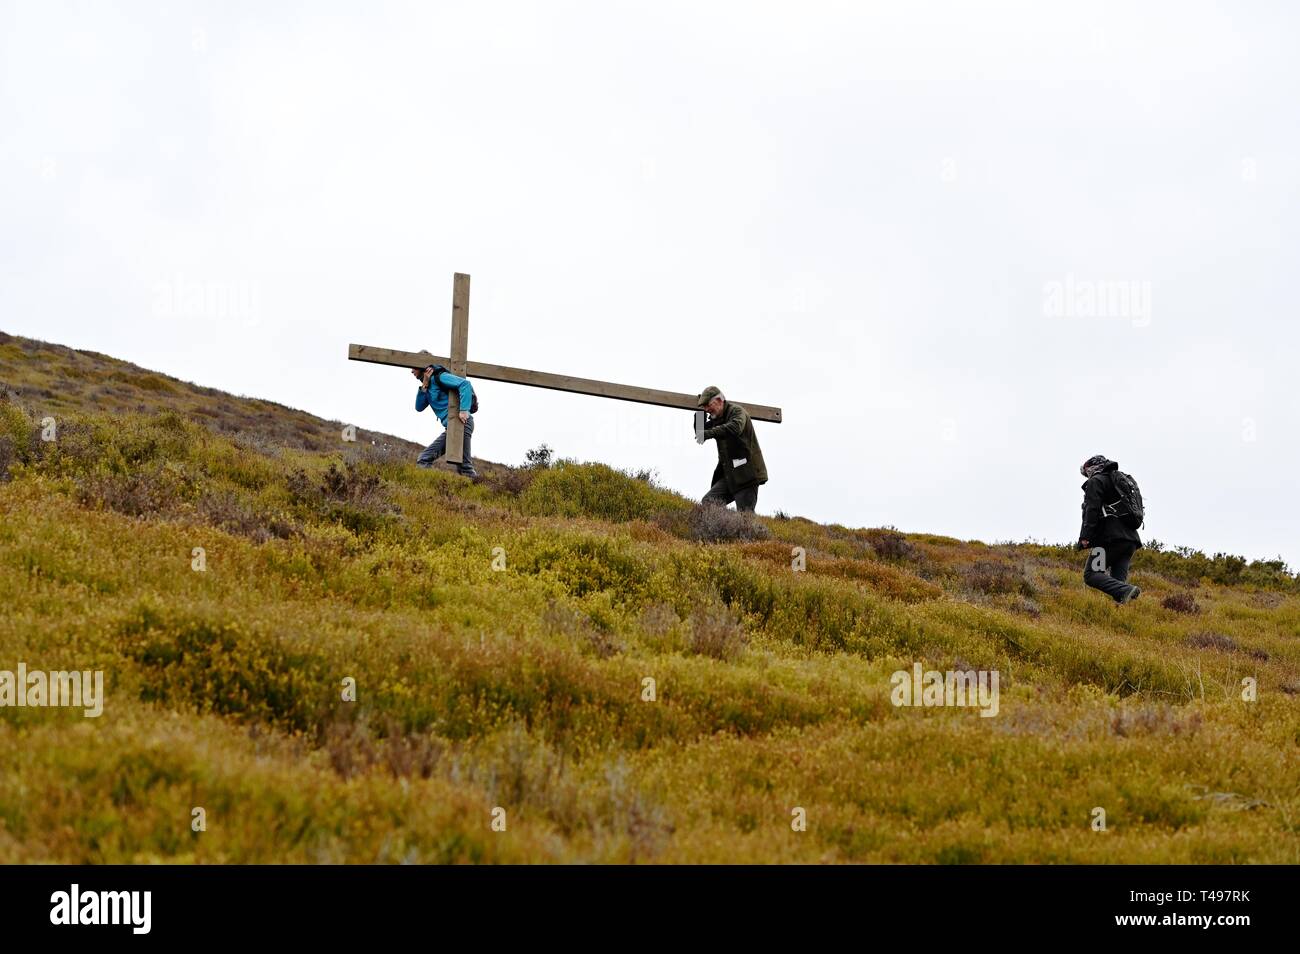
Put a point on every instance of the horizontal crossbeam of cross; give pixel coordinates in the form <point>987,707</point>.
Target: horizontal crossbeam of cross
<point>555,382</point>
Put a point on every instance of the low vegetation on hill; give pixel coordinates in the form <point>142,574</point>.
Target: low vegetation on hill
<point>340,657</point>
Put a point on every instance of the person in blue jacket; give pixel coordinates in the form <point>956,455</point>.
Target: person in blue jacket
<point>433,393</point>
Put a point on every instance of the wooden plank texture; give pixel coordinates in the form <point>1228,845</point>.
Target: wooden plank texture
<point>459,351</point>
<point>555,382</point>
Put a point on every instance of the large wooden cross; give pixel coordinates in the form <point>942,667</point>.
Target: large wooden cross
<point>458,364</point>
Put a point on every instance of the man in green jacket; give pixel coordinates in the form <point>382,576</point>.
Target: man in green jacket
<point>740,468</point>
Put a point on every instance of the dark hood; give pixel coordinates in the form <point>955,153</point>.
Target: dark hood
<point>1105,467</point>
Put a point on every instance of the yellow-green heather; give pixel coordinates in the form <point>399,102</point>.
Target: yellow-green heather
<point>228,563</point>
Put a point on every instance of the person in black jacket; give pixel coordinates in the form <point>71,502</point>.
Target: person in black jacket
<point>1111,541</point>
<point>741,468</point>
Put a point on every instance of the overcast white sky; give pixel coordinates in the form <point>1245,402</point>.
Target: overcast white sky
<point>901,222</point>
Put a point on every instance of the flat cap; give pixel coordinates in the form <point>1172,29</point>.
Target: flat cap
<point>707,395</point>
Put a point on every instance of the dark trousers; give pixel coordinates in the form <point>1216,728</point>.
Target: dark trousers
<point>746,498</point>
<point>439,447</point>
<point>1106,567</point>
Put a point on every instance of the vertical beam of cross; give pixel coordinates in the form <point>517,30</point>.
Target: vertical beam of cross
<point>459,355</point>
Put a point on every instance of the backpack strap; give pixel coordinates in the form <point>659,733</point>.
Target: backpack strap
<point>1112,509</point>
<point>438,372</point>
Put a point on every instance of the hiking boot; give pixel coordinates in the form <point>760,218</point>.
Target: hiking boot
<point>1133,593</point>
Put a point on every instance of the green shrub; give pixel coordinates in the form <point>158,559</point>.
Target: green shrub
<point>355,496</point>
<point>15,423</point>
<point>221,665</point>
<point>1189,567</point>
<point>595,490</point>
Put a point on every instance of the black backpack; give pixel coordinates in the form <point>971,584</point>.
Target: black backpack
<point>1128,507</point>
<point>438,371</point>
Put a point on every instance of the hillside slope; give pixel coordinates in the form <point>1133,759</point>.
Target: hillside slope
<point>234,568</point>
